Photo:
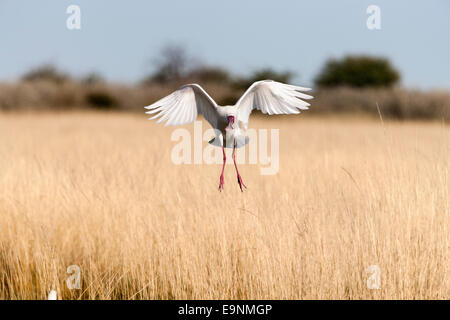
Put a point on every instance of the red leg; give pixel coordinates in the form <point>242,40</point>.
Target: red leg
<point>223,168</point>
<point>241,183</point>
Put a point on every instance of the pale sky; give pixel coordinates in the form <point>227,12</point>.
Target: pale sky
<point>118,39</point>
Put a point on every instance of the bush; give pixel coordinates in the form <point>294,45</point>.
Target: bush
<point>358,71</point>
<point>101,100</point>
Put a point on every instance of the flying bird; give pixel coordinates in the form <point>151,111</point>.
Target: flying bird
<point>270,97</point>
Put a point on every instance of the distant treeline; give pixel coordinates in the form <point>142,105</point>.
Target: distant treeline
<point>354,84</point>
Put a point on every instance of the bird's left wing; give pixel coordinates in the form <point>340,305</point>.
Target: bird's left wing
<point>272,97</point>
<point>183,106</point>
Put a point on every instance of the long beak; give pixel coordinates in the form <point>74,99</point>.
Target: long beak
<point>230,121</point>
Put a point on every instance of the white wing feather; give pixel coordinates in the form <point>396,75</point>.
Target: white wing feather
<point>271,97</point>
<point>184,105</point>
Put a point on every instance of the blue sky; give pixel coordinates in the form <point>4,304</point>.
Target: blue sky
<point>119,38</point>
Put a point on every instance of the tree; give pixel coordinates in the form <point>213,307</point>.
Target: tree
<point>171,67</point>
<point>210,74</point>
<point>358,71</point>
<point>93,78</point>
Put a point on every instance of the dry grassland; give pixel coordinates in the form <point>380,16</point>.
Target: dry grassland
<point>99,190</point>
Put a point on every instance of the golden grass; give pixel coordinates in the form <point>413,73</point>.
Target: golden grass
<point>100,191</point>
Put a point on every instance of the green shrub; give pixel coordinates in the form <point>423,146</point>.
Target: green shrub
<point>358,71</point>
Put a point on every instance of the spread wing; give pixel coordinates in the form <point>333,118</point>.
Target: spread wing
<point>183,106</point>
<point>272,97</point>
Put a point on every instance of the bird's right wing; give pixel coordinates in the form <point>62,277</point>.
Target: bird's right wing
<point>272,97</point>
<point>183,106</point>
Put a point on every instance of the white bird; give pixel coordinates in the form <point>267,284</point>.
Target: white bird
<point>270,97</point>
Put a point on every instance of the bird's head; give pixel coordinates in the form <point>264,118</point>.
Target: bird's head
<point>231,121</point>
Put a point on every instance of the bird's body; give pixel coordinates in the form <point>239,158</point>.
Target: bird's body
<point>228,122</point>
<point>228,133</point>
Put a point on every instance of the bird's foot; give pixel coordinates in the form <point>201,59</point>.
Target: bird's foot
<point>221,183</point>
<point>241,183</point>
